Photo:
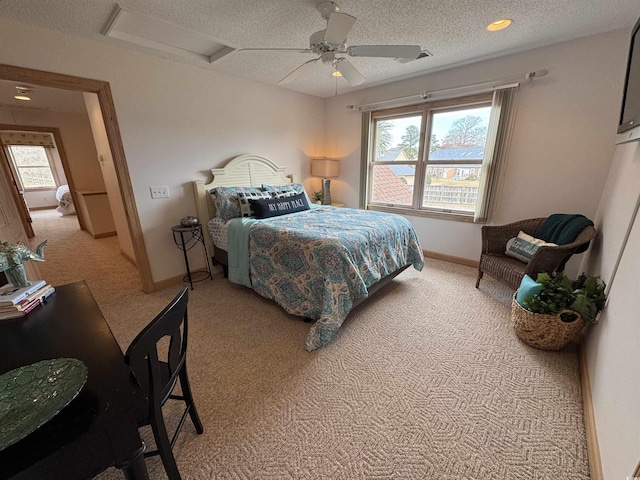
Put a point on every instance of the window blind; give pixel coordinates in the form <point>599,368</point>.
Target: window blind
<point>27,138</point>
<point>502,117</point>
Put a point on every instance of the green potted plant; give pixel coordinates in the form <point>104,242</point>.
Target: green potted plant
<point>585,296</point>
<point>316,197</point>
<point>555,314</point>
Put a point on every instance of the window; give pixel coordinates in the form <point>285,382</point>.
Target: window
<point>33,166</point>
<point>430,159</point>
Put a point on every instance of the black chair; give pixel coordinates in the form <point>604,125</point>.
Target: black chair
<point>158,378</point>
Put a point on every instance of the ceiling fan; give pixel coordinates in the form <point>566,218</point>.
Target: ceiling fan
<point>330,44</point>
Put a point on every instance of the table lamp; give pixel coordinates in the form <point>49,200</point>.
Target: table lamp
<point>326,168</point>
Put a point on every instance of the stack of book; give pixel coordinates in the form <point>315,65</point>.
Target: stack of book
<point>17,302</point>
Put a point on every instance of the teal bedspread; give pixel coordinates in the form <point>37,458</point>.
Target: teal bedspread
<point>315,263</point>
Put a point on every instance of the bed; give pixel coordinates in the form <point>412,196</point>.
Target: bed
<point>317,263</point>
<point>65,201</point>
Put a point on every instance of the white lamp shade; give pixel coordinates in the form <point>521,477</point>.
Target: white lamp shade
<point>325,167</point>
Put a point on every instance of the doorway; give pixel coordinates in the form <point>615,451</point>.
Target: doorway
<point>50,142</point>
<point>112,138</point>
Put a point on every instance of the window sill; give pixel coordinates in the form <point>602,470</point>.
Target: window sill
<point>40,189</point>
<point>458,217</point>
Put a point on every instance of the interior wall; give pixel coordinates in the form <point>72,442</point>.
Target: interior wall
<point>108,174</point>
<point>615,212</point>
<point>611,345</point>
<point>78,145</point>
<point>562,144</point>
<point>177,121</point>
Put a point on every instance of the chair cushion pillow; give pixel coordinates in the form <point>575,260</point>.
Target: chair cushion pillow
<point>272,207</point>
<point>524,246</point>
<point>528,286</point>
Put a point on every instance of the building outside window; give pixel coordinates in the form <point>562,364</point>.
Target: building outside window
<point>430,159</point>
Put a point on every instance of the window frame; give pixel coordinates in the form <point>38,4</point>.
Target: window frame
<point>18,176</point>
<point>426,110</point>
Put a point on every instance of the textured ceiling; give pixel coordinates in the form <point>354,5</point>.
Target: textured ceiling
<point>453,31</point>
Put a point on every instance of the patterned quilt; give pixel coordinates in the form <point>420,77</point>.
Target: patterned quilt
<point>315,263</point>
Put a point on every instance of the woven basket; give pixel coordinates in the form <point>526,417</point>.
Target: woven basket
<point>546,332</point>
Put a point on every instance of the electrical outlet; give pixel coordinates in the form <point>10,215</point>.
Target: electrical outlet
<point>159,192</point>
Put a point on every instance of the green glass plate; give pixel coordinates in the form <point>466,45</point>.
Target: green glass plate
<point>32,395</point>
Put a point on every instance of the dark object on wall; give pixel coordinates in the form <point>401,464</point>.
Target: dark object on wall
<point>630,111</point>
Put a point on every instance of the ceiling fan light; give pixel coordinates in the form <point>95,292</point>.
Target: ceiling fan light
<point>336,73</point>
<point>22,93</point>
<point>499,24</point>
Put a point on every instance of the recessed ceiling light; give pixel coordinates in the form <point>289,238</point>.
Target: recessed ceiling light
<point>336,73</point>
<point>499,24</point>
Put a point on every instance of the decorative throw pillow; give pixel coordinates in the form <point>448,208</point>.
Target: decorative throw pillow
<point>245,205</point>
<point>275,190</point>
<point>524,246</point>
<point>215,200</point>
<point>272,207</point>
<point>226,200</point>
<point>284,194</point>
<point>528,286</point>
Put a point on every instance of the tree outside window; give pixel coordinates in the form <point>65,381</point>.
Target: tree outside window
<point>429,158</point>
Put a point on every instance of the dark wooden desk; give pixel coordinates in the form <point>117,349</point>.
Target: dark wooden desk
<point>98,428</point>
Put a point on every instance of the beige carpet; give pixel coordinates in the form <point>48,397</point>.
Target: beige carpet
<point>426,380</point>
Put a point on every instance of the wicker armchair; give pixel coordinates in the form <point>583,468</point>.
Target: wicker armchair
<point>510,270</point>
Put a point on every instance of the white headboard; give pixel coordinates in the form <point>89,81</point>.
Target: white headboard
<point>244,171</point>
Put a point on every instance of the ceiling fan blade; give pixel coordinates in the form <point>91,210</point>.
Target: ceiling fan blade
<point>349,72</point>
<point>338,26</point>
<point>301,50</point>
<point>293,75</point>
<point>391,51</point>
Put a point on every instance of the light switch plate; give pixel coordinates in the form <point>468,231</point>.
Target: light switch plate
<point>160,192</point>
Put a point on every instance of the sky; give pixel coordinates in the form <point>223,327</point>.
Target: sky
<point>441,125</point>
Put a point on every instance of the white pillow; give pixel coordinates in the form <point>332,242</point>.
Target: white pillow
<point>524,246</point>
